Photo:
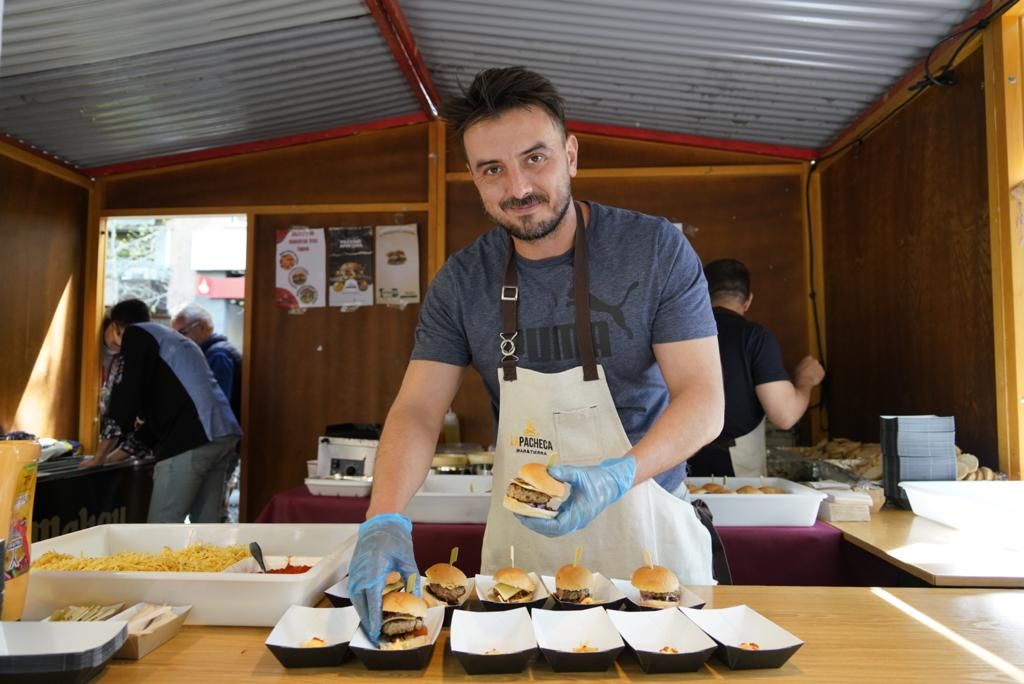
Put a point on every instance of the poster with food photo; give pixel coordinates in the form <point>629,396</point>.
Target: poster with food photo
<point>350,266</point>
<point>301,280</point>
<point>398,264</point>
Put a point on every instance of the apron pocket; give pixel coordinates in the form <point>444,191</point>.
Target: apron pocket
<point>577,434</point>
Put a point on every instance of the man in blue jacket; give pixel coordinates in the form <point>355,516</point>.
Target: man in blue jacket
<point>224,359</point>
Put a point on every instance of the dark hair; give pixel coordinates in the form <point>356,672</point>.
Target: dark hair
<point>129,311</point>
<point>496,91</point>
<point>728,277</point>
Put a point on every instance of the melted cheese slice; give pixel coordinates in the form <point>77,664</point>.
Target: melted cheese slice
<point>506,591</point>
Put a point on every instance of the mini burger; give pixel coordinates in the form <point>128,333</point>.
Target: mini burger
<point>402,625</point>
<point>574,584</point>
<point>534,493</point>
<point>512,585</point>
<point>446,583</point>
<point>658,586</point>
<point>393,582</point>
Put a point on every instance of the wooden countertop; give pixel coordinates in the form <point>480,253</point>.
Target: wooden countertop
<point>850,634</point>
<point>940,555</point>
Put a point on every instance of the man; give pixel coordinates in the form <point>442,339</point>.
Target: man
<point>756,382</point>
<point>167,384</point>
<point>514,304</point>
<point>224,359</point>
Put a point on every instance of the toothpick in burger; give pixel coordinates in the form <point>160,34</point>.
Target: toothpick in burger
<point>446,584</point>
<point>402,626</point>
<point>574,584</point>
<point>535,494</point>
<point>658,586</point>
<point>512,585</point>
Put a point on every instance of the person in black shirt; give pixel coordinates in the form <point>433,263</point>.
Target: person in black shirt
<point>756,382</point>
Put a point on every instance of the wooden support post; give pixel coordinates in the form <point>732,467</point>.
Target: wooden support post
<point>92,315</point>
<point>1004,81</point>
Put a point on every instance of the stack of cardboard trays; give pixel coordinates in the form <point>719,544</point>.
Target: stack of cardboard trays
<point>843,504</point>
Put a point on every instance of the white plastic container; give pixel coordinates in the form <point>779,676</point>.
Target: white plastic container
<point>798,507</point>
<point>986,509</point>
<point>451,499</point>
<point>217,598</point>
<point>349,486</point>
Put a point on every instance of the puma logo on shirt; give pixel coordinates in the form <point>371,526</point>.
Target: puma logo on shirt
<point>598,306</point>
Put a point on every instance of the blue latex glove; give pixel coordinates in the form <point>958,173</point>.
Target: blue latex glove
<point>385,544</point>
<point>594,489</point>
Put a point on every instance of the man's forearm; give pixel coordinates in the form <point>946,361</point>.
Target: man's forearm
<point>692,419</point>
<point>403,460</point>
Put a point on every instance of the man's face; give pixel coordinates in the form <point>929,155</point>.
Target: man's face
<point>195,330</point>
<point>521,167</point>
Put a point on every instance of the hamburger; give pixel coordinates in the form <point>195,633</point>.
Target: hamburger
<point>658,586</point>
<point>402,626</point>
<point>574,584</point>
<point>445,583</point>
<point>512,585</point>
<point>534,493</point>
<point>393,582</point>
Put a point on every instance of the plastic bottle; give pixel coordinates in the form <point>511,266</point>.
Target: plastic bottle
<point>452,434</point>
<point>18,466</point>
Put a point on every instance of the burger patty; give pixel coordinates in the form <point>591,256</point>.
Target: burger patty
<point>525,495</point>
<point>646,596</point>
<point>574,596</point>
<point>399,627</point>
<point>448,595</point>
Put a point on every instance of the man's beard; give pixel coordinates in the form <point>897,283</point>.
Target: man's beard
<point>537,231</point>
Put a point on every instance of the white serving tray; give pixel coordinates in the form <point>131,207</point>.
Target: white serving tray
<point>983,508</point>
<point>451,499</point>
<point>798,507</point>
<point>217,598</point>
<point>330,486</point>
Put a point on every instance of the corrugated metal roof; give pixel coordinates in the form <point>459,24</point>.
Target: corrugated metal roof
<point>103,82</point>
<point>784,72</point>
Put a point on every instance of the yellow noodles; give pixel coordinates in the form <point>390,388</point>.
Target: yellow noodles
<point>194,558</point>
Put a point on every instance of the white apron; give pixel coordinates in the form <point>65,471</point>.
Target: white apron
<point>565,413</point>
<point>749,454</point>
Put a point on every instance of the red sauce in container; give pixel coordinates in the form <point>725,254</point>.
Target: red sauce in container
<point>290,570</point>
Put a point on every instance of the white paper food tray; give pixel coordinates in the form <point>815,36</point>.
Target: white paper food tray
<point>451,499</point>
<point>982,508</point>
<point>217,598</point>
<point>798,507</point>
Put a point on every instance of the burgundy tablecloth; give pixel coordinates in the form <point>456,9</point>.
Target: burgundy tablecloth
<point>799,556</point>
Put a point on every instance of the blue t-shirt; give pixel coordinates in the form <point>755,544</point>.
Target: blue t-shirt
<point>646,287</point>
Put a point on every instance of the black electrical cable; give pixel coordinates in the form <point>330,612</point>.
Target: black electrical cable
<point>944,78</point>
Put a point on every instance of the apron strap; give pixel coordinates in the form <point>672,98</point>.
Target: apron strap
<point>581,289</point>
<point>584,338</point>
<point>509,322</point>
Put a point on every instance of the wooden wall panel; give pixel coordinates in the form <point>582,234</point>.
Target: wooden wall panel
<point>42,225</point>
<point>908,274</point>
<point>317,368</point>
<point>381,166</point>
<point>600,152</point>
<point>757,220</point>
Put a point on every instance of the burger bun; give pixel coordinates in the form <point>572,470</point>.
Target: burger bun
<point>514,577</point>
<point>573,578</point>
<point>404,603</point>
<point>655,579</point>
<point>446,575</point>
<point>537,477</point>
